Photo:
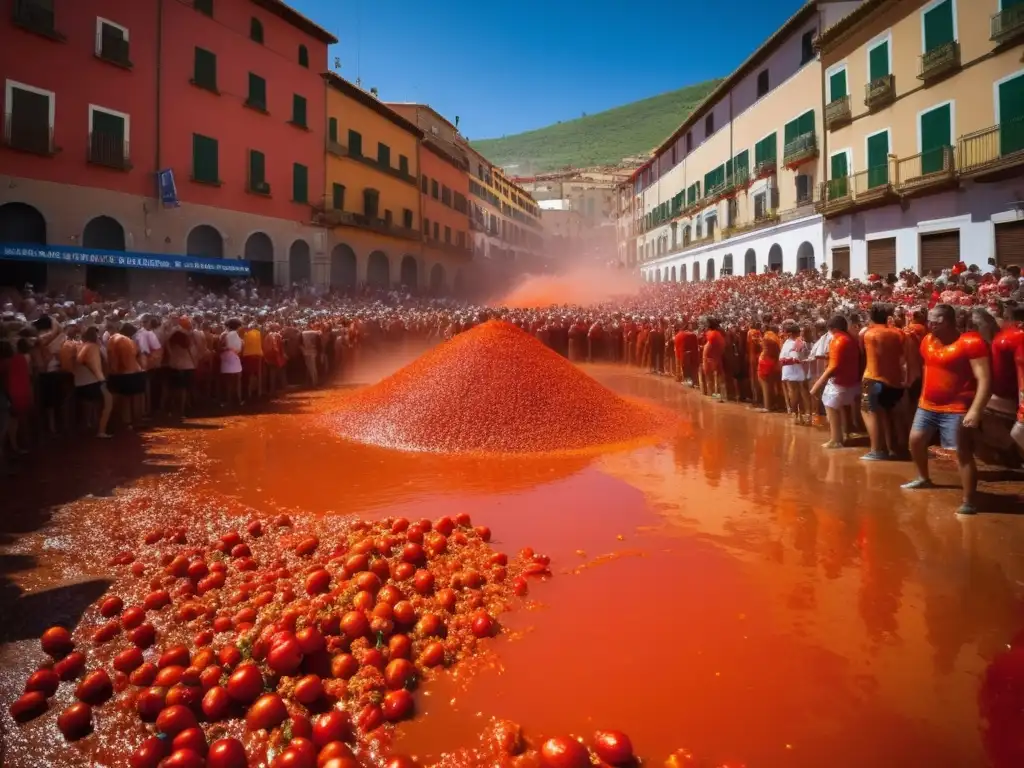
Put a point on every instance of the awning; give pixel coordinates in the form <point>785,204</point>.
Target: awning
<point>59,254</point>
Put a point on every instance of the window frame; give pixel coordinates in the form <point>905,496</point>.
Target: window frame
<point>996,109</point>
<point>768,83</point>
<point>298,98</point>
<point>848,151</point>
<point>295,167</point>
<point>255,23</point>
<point>353,132</point>
<point>888,131</point>
<point>807,34</point>
<point>195,6</point>
<point>952,122</point>
<point>248,170</point>
<point>303,54</point>
<point>94,108</point>
<point>195,80</point>
<point>335,186</point>
<point>930,7</point>
<point>100,21</point>
<point>248,96</point>
<point>831,72</point>
<point>885,37</point>
<point>10,85</point>
<point>710,116</point>
<point>192,175</point>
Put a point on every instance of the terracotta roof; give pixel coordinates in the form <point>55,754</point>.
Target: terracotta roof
<point>356,93</point>
<point>831,37</point>
<point>297,20</point>
<point>439,116</point>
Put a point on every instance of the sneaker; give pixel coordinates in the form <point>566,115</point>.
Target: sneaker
<point>967,509</point>
<point>919,484</point>
<point>875,456</point>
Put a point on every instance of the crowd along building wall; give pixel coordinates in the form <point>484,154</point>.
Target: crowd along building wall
<point>924,101</point>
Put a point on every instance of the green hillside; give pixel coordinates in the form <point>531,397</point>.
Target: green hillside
<point>600,139</point>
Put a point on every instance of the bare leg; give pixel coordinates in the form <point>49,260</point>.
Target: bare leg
<point>106,408</point>
<point>968,467</point>
<point>835,427</point>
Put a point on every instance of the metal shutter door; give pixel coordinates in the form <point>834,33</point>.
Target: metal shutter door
<point>882,257</point>
<point>1010,243</point>
<point>939,251</point>
<point>841,261</point>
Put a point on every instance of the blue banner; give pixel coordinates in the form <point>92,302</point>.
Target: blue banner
<point>59,254</point>
<point>166,189</point>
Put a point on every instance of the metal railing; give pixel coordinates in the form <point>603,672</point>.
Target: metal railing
<point>1007,24</point>
<point>35,17</point>
<point>999,145</point>
<point>857,188</point>
<point>113,48</point>
<point>928,167</point>
<point>940,60</point>
<point>28,138</point>
<point>804,146</point>
<point>109,150</point>
<point>765,168</point>
<point>880,91</point>
<point>838,112</point>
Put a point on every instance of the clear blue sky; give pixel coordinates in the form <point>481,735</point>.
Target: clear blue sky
<point>507,67</point>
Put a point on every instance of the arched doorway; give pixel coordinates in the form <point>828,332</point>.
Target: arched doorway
<point>658,277</point>
<point>750,262</point>
<point>437,280</point>
<point>804,257</point>
<point>727,264</point>
<point>410,273</point>
<point>205,241</point>
<point>300,266</point>
<point>259,252</point>
<point>105,233</point>
<point>378,270</point>
<point>696,271</point>
<point>775,258</point>
<point>673,274</point>
<point>711,270</point>
<point>682,273</point>
<point>23,224</point>
<point>344,273</point>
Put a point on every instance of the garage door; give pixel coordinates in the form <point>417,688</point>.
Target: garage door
<point>841,261</point>
<point>882,257</point>
<point>939,251</point>
<point>1010,243</point>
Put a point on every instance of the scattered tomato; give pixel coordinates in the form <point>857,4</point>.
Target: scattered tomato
<point>95,688</point>
<point>28,706</point>
<point>75,721</point>
<point>614,747</point>
<point>563,752</point>
<point>227,753</point>
<point>57,642</point>
<point>266,712</point>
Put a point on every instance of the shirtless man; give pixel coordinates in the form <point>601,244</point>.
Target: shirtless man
<point>90,382</point>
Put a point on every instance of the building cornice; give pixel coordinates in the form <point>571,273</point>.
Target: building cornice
<point>297,20</point>
<point>847,26</point>
<point>355,93</point>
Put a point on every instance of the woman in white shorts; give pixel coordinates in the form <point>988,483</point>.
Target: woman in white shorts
<point>792,358</point>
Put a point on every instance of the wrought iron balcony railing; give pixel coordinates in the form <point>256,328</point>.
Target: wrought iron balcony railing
<point>940,61</point>
<point>22,135</point>
<point>36,17</point>
<point>801,148</point>
<point>109,150</point>
<point>838,112</point>
<point>880,91</point>
<point>1007,24</point>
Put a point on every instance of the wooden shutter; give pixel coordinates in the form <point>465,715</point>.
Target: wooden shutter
<point>837,85</point>
<point>1011,116</point>
<point>1010,243</point>
<point>878,160</point>
<point>882,256</point>
<point>205,69</point>
<point>805,122</point>
<point>355,143</point>
<point>299,110</point>
<point>841,260</point>
<point>938,26</point>
<point>257,91</point>
<point>257,168</point>
<point>936,135</point>
<point>878,61</point>
<point>205,159</point>
<point>300,183</point>
<point>939,251</point>
<point>338,196</point>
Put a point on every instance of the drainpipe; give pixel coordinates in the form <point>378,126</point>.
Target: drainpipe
<point>823,158</point>
<point>159,78</point>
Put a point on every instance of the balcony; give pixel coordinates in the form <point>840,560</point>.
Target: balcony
<point>940,61</point>
<point>114,49</point>
<point>34,16</point>
<point>766,167</point>
<point>880,92</point>
<point>838,113</point>
<point>336,148</point>
<point>1007,25</point>
<point>926,172</point>
<point>23,137</point>
<point>109,151</point>
<point>800,150</point>
<point>993,153</point>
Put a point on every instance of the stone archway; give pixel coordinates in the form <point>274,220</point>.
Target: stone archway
<point>104,233</point>
<point>205,241</point>
<point>378,270</point>
<point>775,258</point>
<point>437,279</point>
<point>409,272</point>
<point>24,224</point>
<point>727,264</point>
<point>673,274</point>
<point>750,262</point>
<point>804,257</point>
<point>300,265</point>
<point>259,252</point>
<point>344,269</point>
<point>710,270</point>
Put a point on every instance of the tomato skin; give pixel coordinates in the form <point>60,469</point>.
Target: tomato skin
<point>70,666</point>
<point>432,655</point>
<point>189,695</point>
<point>132,617</point>
<point>128,660</point>
<point>318,582</point>
<point>57,642</point>
<point>368,581</point>
<point>307,546</point>
<point>44,680</point>
<point>310,640</point>
<point>404,613</point>
<point>150,752</point>
<point>75,721</point>
<point>483,532</point>
<point>509,737</point>
<point>210,677</point>
<point>520,586</point>
<point>483,625</point>
<point>156,600</point>
<point>397,705</point>
<point>150,703</point>
<point>216,704</point>
<point>344,666</point>
<point>445,526</point>
<point>227,753</point>
<point>363,601</point>
<point>399,647</point>
<point>355,624</point>
<point>463,520</point>
<point>192,739</point>
<point>143,675</point>
<point>563,752</point>
<point>143,636</point>
<point>412,553</point>
<point>95,688</point>
<point>169,676</point>
<point>403,571</point>
<point>111,607</point>
<point>229,656</point>
<point>175,719</point>
<point>175,656</point>
<point>398,673</point>
<point>370,718</point>
<point>28,706</point>
<point>309,690</point>
<point>614,747</point>
<point>423,581</point>
<point>184,758</point>
<point>266,712</point>
<point>330,727</point>
<point>429,625</point>
<point>285,657</point>
<point>245,683</point>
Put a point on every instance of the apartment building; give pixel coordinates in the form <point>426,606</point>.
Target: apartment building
<point>732,190</point>
<point>190,129</point>
<point>924,135</point>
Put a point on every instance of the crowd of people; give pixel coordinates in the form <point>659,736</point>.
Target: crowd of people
<point>903,358</point>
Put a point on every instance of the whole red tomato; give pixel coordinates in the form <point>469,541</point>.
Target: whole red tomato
<point>143,675</point>
<point>192,739</point>
<point>216,703</point>
<point>57,642</point>
<point>149,703</point>
<point>370,718</point>
<point>245,683</point>
<point>355,624</point>
<point>44,680</point>
<point>151,751</point>
<point>310,640</point>
<point>184,758</point>
<point>175,656</point>
<point>227,753</point>
<point>28,706</point>
<point>412,553</point>
<point>143,635</point>
<point>173,720</point>
<point>398,673</point>
<point>399,647</point>
<point>333,726</point>
<point>285,657</point>
<point>267,711</point>
<point>397,705</point>
<point>564,752</point>
<point>318,582</point>
<point>423,581</point>
<point>309,690</point>
<point>70,666</point>
<point>95,688</point>
<point>343,666</point>
<point>128,660</point>
<point>614,747</point>
<point>111,607</point>
<point>483,625</point>
<point>432,655</point>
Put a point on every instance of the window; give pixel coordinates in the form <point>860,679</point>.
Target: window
<point>257,172</point>
<point>1010,114</point>
<point>205,159</point>
<point>935,134</point>
<point>437,231</point>
<point>460,203</point>
<point>371,203</point>
<point>837,84</point>
<point>765,151</point>
<point>403,165</point>
<point>762,83</point>
<point>332,129</point>
<point>299,110</point>
<point>689,141</point>
<point>878,61</point>
<point>300,183</point>
<point>338,197</point>
<point>807,47</point>
<point>303,57</point>
<point>760,205</point>
<point>709,124</point>
<point>257,98</point>
<point>108,137</point>
<point>388,218</point>
<point>383,155</point>
<point>426,227</point>
<point>423,184</point>
<point>204,6</point>
<point>255,30</point>
<point>801,126</point>
<point>937,26</point>
<point>741,166</point>
<point>839,171</point>
<point>448,235</point>
<point>711,222</point>
<point>878,159</point>
<point>434,188</point>
<point>446,196</point>
<point>204,73</point>
<point>407,218</point>
<point>31,113</point>
<point>355,143</point>
<point>803,188</point>
<point>112,42</point>
<point>714,179</point>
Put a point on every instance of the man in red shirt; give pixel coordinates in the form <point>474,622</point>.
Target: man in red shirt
<point>714,353</point>
<point>839,385</point>
<point>956,387</point>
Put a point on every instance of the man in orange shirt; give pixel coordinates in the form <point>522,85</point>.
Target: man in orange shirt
<point>957,385</point>
<point>839,385</point>
<point>883,383</point>
<point>714,353</point>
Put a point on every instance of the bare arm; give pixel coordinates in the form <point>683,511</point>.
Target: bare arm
<point>983,373</point>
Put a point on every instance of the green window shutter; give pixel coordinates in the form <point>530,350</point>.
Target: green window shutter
<point>110,127</point>
<point>938,26</point>
<point>257,91</point>
<point>805,123</point>
<point>204,159</point>
<point>332,128</point>
<point>790,131</point>
<point>257,168</point>
<point>838,183</point>
<point>878,61</point>
<point>742,162</point>
<point>936,135</point>
<point>204,73</point>
<point>355,143</point>
<point>383,155</point>
<point>403,164</point>
<point>300,183</point>
<point>1011,115</point>
<point>299,110</point>
<point>878,159</point>
<point>303,57</point>
<point>837,85</point>
<point>765,150</point>
<point>338,197</point>
<point>204,6</point>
